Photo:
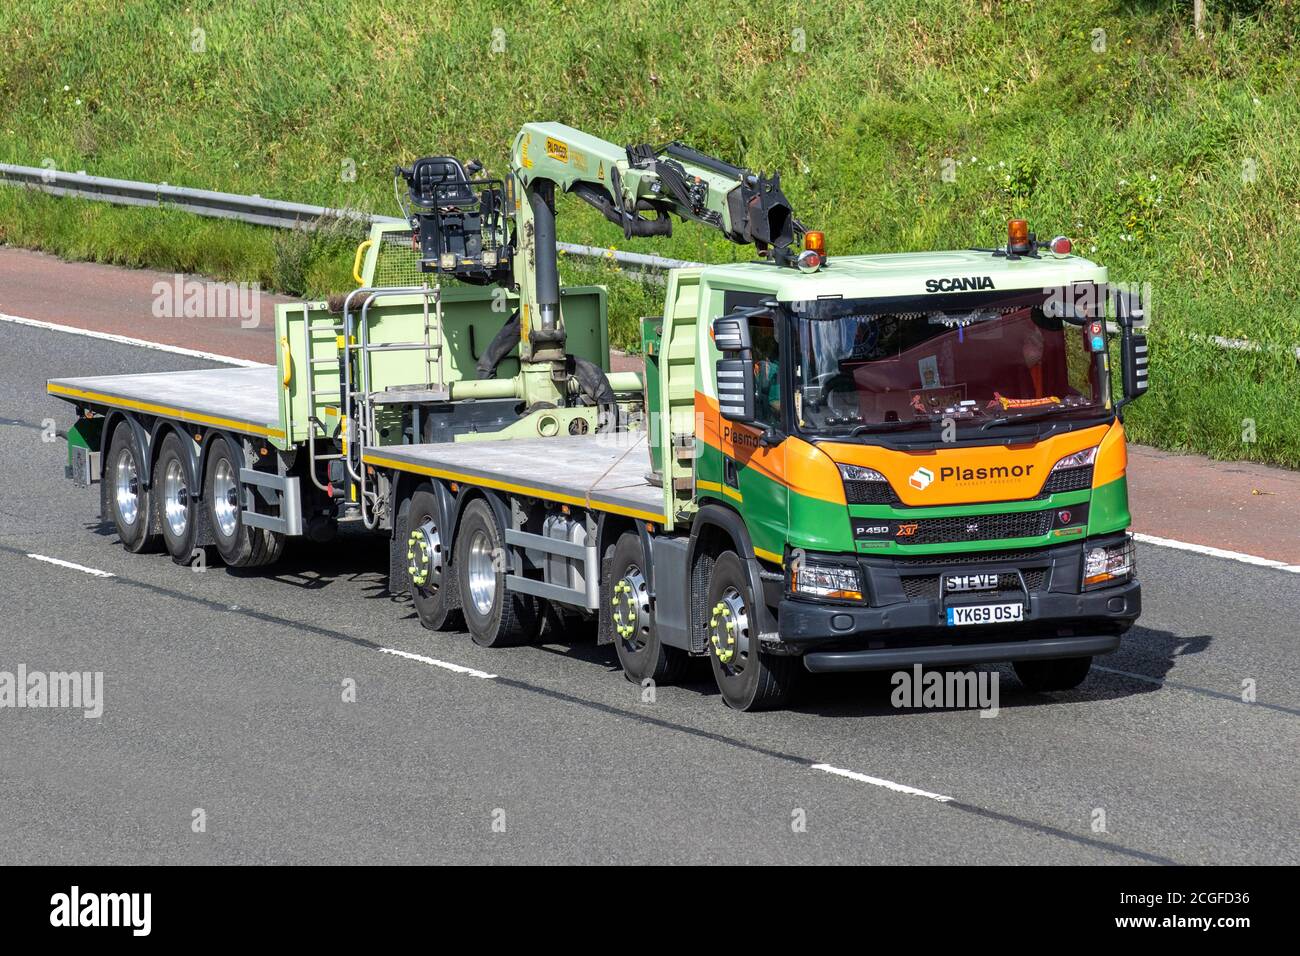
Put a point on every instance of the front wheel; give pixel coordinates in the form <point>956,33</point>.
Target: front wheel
<point>748,677</point>
<point>1063,673</point>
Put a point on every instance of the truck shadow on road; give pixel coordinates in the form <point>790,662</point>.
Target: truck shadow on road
<point>313,567</point>
<point>1146,652</point>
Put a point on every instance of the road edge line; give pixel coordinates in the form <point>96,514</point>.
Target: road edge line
<point>434,662</point>
<point>1213,552</point>
<point>68,564</point>
<point>880,782</point>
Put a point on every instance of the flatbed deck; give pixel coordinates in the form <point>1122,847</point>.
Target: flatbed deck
<point>601,472</point>
<point>239,399</point>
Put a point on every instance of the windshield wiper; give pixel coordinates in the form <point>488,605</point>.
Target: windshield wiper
<point>1030,416</point>
<point>897,426</point>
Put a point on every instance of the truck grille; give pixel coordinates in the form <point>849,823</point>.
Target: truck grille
<point>1067,479</point>
<point>870,493</point>
<point>921,587</point>
<point>984,557</point>
<point>1024,524</point>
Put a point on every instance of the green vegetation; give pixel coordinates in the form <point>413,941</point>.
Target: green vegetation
<point>1168,158</point>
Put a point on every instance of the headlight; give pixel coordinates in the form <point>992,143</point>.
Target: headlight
<point>858,473</point>
<point>1077,460</point>
<point>836,581</point>
<point>1112,564</point>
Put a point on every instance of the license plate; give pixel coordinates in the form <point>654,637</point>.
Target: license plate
<point>986,614</point>
<point>970,582</point>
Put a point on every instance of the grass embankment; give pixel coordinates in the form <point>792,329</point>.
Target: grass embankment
<point>1170,159</point>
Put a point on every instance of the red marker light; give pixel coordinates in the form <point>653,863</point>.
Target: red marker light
<point>1062,246</point>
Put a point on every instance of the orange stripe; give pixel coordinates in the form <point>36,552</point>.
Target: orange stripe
<point>1112,457</point>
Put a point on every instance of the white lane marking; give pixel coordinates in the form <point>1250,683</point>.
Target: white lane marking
<point>881,782</point>
<point>445,665</point>
<point>1217,552</point>
<point>68,564</point>
<point>127,340</point>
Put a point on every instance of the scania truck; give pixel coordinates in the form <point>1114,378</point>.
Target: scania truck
<point>829,463</point>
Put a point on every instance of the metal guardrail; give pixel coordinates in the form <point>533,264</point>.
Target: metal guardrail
<point>256,210</point>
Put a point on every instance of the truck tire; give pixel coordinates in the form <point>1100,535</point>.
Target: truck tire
<point>748,677</point>
<point>174,499</point>
<point>129,498</point>
<point>239,545</point>
<point>494,616</point>
<point>425,552</point>
<point>1063,673</point>
<point>631,618</point>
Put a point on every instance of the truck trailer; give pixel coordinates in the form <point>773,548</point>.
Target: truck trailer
<point>829,463</point>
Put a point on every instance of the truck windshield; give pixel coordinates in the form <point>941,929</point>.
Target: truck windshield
<point>866,366</point>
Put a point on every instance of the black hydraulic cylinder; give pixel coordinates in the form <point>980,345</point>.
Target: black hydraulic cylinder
<point>541,197</point>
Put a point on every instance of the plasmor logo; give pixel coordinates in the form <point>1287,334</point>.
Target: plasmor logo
<point>921,478</point>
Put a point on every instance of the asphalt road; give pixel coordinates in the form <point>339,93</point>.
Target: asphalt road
<point>223,691</point>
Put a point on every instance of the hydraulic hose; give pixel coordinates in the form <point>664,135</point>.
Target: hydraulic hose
<point>500,346</point>
<point>594,384</point>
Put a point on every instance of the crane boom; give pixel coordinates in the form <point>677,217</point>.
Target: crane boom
<point>486,231</point>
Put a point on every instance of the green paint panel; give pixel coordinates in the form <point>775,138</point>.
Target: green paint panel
<point>471,316</point>
<point>652,330</point>
<point>1109,511</point>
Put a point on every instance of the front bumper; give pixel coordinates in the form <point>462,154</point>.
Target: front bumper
<point>905,625</point>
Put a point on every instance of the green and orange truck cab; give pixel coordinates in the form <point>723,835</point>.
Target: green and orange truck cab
<point>870,534</point>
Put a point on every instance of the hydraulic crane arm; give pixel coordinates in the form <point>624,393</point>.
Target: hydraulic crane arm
<point>637,187</point>
<point>487,231</point>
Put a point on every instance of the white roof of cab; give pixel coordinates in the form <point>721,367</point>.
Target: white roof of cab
<point>906,274</point>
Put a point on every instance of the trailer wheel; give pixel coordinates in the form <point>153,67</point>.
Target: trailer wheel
<point>239,545</point>
<point>494,616</point>
<point>425,552</point>
<point>174,499</point>
<point>128,495</point>
<point>748,677</point>
<point>631,621</point>
<point>1063,673</point>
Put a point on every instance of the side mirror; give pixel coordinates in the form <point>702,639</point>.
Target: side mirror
<point>1130,314</point>
<point>736,390</point>
<point>1133,368</point>
<point>734,372</point>
<point>731,333</point>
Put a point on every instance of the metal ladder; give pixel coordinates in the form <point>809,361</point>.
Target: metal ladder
<point>310,328</point>
<point>359,399</point>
